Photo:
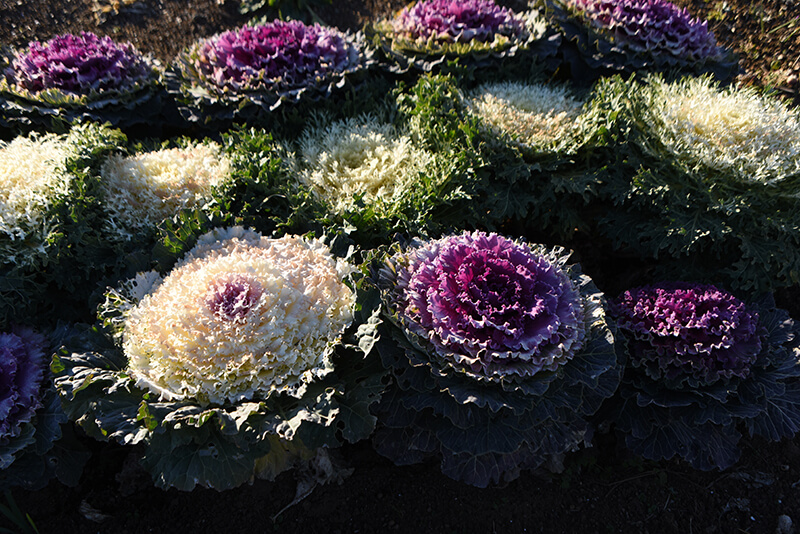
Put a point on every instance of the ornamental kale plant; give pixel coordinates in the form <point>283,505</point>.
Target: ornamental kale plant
<point>143,189</point>
<point>247,73</point>
<point>702,366</point>
<point>30,415</point>
<point>499,351</point>
<point>732,152</point>
<point>541,119</point>
<point>230,366</point>
<point>604,37</point>
<point>426,34</point>
<point>50,222</point>
<point>78,77</point>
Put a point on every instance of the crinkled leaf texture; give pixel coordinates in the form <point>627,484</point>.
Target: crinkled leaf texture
<point>703,425</point>
<point>591,54</point>
<point>215,446</point>
<point>487,432</point>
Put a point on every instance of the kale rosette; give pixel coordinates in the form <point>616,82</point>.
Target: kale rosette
<point>74,78</point>
<point>500,351</point>
<point>231,366</point>
<point>703,365</point>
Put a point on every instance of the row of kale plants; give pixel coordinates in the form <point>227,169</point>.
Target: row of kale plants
<point>485,273</point>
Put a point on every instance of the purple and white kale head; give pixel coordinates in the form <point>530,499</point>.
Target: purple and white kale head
<point>280,54</point>
<point>456,21</point>
<point>651,26</point>
<point>682,333</point>
<point>490,307</point>
<point>22,363</point>
<point>79,65</point>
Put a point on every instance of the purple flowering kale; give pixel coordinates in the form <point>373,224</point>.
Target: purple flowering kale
<point>476,32</point>
<point>650,26</point>
<point>628,35</point>
<point>456,21</point>
<point>31,417</point>
<point>265,64</point>
<point>490,307</point>
<point>702,361</point>
<point>288,54</point>
<point>688,333</point>
<point>78,64</point>
<point>75,78</point>
<point>21,373</point>
<point>499,351</point>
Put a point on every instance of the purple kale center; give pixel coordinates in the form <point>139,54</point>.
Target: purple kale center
<point>21,375</point>
<point>457,21</point>
<point>232,296</point>
<point>287,53</point>
<point>687,332</point>
<point>651,26</point>
<point>78,64</point>
<point>492,306</point>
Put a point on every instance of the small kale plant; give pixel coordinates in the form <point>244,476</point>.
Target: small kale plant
<point>602,37</point>
<point>704,365</point>
<point>244,75</point>
<point>426,35</point>
<point>500,351</point>
<point>241,361</point>
<point>74,78</point>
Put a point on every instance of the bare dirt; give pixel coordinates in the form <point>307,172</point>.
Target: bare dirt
<point>602,490</point>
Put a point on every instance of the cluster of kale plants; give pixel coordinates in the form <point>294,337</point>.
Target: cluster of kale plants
<point>446,237</point>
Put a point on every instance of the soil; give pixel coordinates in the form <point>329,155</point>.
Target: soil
<point>602,489</point>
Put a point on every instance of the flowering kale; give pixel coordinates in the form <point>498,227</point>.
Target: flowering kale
<point>229,355</point>
<point>22,364</point>
<point>266,64</point>
<point>78,77</point>
<point>503,349</point>
<point>734,152</point>
<point>141,190</point>
<point>540,118</point>
<point>736,134</point>
<point>50,221</point>
<point>632,35</point>
<point>79,64</point>
<point>685,333</point>
<point>456,21</point>
<point>31,417</point>
<point>701,361</point>
<point>425,33</point>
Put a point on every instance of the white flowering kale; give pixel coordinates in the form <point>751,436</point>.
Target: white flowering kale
<point>540,118</point>
<point>361,162</point>
<point>76,78</point>
<point>726,133</point>
<point>30,415</point>
<point>700,363</point>
<point>676,188</point>
<point>227,364</point>
<point>426,34</point>
<point>141,190</point>
<point>604,37</point>
<point>500,352</point>
<point>49,218</point>
<point>247,73</point>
